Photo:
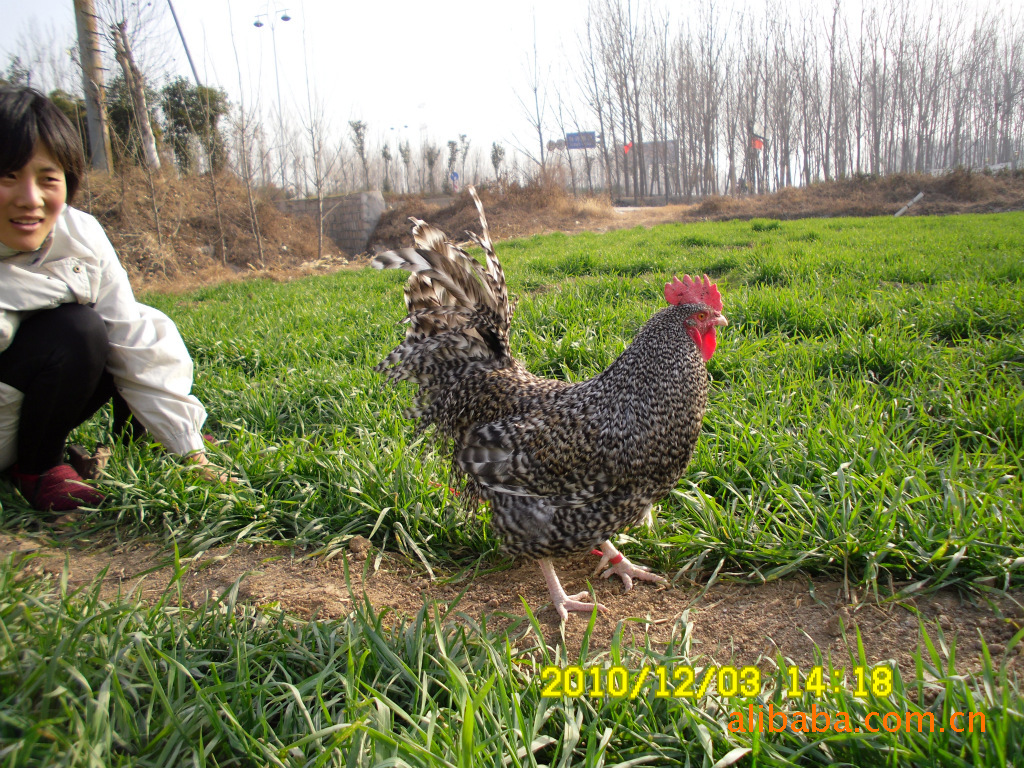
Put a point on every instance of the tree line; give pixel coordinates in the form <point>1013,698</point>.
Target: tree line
<point>727,100</point>
<point>736,101</point>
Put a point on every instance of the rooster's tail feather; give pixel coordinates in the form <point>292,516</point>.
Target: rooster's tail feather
<point>458,310</point>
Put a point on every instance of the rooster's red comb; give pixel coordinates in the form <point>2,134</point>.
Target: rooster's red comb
<point>690,291</point>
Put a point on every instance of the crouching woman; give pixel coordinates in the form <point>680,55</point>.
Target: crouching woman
<point>72,336</point>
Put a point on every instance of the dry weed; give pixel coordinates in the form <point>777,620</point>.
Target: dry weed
<point>190,245</point>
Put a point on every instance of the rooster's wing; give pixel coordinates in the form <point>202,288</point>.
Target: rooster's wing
<point>565,455</point>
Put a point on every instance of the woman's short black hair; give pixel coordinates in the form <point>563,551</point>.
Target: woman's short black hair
<point>28,117</point>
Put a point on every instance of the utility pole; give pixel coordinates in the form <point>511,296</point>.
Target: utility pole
<point>92,84</point>
<point>181,34</point>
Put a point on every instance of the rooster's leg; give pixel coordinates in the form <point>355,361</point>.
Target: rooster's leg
<point>563,602</point>
<point>623,568</point>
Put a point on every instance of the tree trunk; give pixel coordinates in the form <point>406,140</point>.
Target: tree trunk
<point>133,79</point>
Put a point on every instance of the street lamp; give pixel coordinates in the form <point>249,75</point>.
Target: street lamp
<point>258,23</point>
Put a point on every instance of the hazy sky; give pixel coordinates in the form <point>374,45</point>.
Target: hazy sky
<point>443,68</point>
<point>410,70</point>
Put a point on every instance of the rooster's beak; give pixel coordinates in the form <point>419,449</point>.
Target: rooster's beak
<point>720,320</point>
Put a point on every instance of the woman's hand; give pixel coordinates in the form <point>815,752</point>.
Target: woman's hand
<point>209,471</point>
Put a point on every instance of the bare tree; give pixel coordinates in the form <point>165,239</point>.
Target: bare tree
<point>405,152</point>
<point>47,57</point>
<point>497,158</point>
<point>453,156</point>
<point>832,36</point>
<point>137,33</point>
<point>385,155</point>
<point>135,83</point>
<point>322,160</point>
<point>595,87</point>
<point>430,153</point>
<point>536,107</point>
<point>561,144</point>
<point>358,128</point>
<point>463,152</point>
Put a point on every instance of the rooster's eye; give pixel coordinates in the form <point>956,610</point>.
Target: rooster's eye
<point>701,316</point>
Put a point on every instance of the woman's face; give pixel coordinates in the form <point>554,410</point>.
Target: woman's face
<point>31,199</point>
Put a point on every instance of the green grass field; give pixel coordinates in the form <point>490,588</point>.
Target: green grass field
<point>866,420</point>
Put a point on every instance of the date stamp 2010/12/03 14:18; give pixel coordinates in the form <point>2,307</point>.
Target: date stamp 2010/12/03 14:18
<point>684,681</point>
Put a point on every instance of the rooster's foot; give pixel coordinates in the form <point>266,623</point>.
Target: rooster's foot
<point>619,565</point>
<point>572,603</point>
<point>562,602</point>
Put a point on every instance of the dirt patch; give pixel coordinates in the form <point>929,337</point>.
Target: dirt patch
<point>741,623</point>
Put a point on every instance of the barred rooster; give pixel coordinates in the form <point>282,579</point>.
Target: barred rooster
<point>564,466</point>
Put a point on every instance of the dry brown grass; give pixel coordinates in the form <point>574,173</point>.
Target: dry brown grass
<point>188,249</point>
<point>956,192</point>
<point>513,210</point>
<point>545,206</point>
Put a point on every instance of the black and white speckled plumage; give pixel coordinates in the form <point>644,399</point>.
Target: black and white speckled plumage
<point>565,466</point>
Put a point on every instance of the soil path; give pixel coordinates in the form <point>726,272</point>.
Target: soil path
<point>737,623</point>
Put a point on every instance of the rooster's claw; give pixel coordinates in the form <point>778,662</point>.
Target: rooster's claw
<point>572,603</point>
<point>624,569</point>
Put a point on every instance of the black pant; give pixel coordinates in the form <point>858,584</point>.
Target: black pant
<point>58,359</point>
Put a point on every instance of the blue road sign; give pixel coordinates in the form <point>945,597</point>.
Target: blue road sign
<point>586,140</point>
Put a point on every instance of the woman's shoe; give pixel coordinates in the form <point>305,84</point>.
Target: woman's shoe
<point>58,489</point>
